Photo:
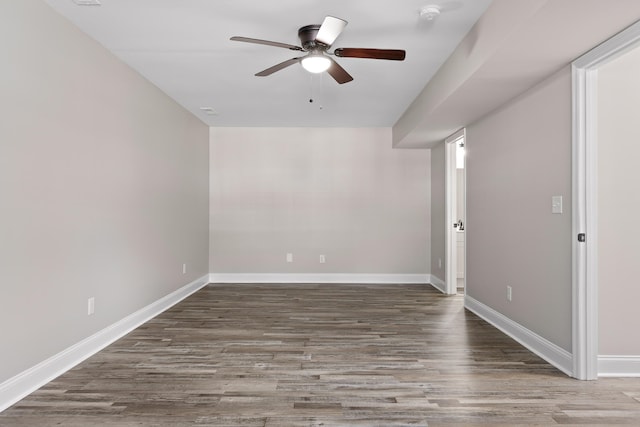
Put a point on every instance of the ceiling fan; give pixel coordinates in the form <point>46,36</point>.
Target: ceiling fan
<point>316,40</point>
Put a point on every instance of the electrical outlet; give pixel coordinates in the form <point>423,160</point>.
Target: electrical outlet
<point>322,259</point>
<point>509,293</point>
<point>439,262</point>
<point>184,268</point>
<point>289,257</point>
<point>91,306</point>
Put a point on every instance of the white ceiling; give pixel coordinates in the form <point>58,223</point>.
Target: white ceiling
<point>183,47</point>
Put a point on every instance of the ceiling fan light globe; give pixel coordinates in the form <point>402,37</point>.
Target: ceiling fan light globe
<point>316,63</point>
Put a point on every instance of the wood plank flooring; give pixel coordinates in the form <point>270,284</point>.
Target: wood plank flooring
<point>321,355</point>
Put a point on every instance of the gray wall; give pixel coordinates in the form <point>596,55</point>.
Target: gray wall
<point>618,205</point>
<point>438,211</point>
<point>517,159</point>
<point>343,193</point>
<point>103,184</point>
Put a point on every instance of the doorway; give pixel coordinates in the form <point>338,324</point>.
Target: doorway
<point>456,220</point>
<point>618,198</point>
<point>587,364</point>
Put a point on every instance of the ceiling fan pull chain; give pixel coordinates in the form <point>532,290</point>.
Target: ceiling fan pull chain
<point>321,90</point>
<point>312,85</point>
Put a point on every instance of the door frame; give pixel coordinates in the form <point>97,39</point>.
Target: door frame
<point>584,72</point>
<point>451,259</point>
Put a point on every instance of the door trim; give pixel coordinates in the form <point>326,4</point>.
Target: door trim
<point>584,72</point>
<point>451,282</point>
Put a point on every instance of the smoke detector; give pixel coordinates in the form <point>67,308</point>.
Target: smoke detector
<point>430,12</point>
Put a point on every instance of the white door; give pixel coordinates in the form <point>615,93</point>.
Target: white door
<point>455,213</point>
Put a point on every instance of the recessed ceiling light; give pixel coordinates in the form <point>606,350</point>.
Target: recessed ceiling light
<point>87,2</point>
<point>430,12</point>
<point>209,111</point>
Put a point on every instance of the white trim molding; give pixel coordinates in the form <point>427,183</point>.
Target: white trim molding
<point>25,383</point>
<point>584,198</point>
<point>557,356</point>
<point>438,283</point>
<point>319,278</point>
<point>619,366</point>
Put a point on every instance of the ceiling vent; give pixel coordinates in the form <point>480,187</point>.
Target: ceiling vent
<point>87,2</point>
<point>209,111</point>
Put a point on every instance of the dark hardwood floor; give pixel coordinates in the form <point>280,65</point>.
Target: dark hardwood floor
<point>321,355</point>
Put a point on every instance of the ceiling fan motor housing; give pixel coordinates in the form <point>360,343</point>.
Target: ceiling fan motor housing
<point>307,35</point>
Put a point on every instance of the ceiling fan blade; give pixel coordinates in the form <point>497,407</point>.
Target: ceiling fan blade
<point>330,30</point>
<point>265,42</point>
<point>338,73</point>
<point>354,52</point>
<point>278,67</point>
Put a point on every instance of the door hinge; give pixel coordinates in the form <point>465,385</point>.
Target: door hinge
<point>582,237</point>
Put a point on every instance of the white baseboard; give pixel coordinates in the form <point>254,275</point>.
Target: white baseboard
<point>18,387</point>
<point>438,283</point>
<point>318,278</point>
<point>558,357</point>
<point>618,366</point>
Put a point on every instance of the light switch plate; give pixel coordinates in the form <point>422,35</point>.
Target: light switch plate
<point>556,204</point>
